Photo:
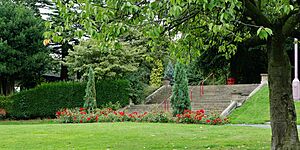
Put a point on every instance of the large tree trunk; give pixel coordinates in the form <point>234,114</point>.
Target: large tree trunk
<point>282,108</point>
<point>64,69</point>
<point>6,86</point>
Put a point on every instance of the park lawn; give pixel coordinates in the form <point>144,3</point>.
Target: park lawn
<point>256,110</point>
<point>132,136</point>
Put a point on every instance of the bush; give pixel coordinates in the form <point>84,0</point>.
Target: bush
<point>46,99</point>
<point>80,115</point>
<point>3,102</point>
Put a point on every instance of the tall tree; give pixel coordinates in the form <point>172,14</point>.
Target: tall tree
<point>23,57</point>
<point>194,26</point>
<point>180,99</point>
<point>90,92</point>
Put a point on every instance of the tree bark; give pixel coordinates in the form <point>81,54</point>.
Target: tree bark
<point>6,86</point>
<point>64,69</point>
<point>282,108</point>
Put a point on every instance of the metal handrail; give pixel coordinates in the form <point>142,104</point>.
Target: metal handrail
<point>201,83</point>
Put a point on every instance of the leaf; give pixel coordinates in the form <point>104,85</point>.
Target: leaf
<point>259,30</point>
<point>269,31</point>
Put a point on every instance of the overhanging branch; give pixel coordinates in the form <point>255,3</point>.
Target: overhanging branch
<point>289,25</point>
<point>254,12</point>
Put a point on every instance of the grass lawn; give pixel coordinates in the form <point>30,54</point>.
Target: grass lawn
<point>131,136</point>
<point>256,109</point>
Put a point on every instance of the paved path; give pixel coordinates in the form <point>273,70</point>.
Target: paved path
<point>255,125</point>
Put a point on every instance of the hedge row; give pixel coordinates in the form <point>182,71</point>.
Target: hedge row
<point>44,100</point>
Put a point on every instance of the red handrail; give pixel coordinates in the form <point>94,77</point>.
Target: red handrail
<point>201,83</point>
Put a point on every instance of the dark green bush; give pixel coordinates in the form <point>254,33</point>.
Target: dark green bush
<point>46,99</point>
<point>2,101</point>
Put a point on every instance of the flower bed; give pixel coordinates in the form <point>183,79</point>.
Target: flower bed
<point>79,115</point>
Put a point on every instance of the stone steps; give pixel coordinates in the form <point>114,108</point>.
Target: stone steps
<point>216,98</point>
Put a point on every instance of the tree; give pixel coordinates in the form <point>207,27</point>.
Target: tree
<point>108,62</point>
<point>180,99</point>
<point>156,73</point>
<point>23,57</point>
<point>169,72</point>
<point>90,92</point>
<point>195,26</point>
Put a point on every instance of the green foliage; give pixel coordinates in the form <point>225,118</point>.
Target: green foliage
<point>108,62</point>
<point>46,99</point>
<point>23,55</point>
<point>90,92</point>
<point>156,73</point>
<point>3,102</point>
<point>180,99</point>
<point>263,33</point>
<point>113,106</point>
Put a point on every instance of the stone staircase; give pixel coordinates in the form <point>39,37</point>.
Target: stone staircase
<point>212,98</point>
<point>216,98</point>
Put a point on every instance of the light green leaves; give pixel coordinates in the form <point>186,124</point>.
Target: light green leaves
<point>175,10</point>
<point>263,32</point>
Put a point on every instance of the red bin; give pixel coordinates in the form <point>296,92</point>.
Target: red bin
<point>230,81</point>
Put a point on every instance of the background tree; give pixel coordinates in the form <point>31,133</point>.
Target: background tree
<point>23,57</point>
<point>180,99</point>
<point>108,62</point>
<point>169,72</point>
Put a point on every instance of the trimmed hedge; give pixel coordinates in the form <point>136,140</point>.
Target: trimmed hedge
<point>44,100</point>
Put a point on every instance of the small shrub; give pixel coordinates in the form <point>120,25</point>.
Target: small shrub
<point>113,106</point>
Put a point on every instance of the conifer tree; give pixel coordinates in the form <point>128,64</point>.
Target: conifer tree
<point>169,72</point>
<point>90,92</point>
<point>180,100</point>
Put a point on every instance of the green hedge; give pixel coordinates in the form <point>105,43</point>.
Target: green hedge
<point>3,102</point>
<point>46,99</point>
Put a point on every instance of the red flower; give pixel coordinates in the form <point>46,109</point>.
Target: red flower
<point>74,118</point>
<point>81,109</point>
<point>207,121</point>
<point>97,117</point>
<point>121,113</point>
<point>83,112</point>
<point>115,112</point>
<point>58,113</point>
<point>80,121</point>
<point>202,111</point>
<point>88,119</point>
<point>187,111</point>
<point>135,113</point>
<point>178,115</point>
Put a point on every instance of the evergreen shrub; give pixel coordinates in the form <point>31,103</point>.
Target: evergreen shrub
<point>180,99</point>
<point>44,100</point>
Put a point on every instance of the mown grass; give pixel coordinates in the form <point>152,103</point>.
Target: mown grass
<point>132,136</point>
<point>256,110</point>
